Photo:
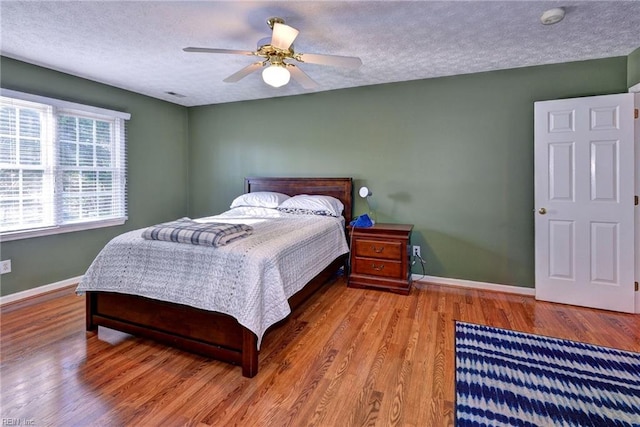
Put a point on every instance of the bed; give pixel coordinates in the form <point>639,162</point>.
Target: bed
<point>213,334</point>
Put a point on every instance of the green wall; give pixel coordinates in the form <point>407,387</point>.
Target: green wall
<point>453,156</point>
<point>157,174</point>
<point>633,68</point>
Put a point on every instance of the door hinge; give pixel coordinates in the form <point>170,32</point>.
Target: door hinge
<point>635,201</point>
<point>635,113</point>
<point>636,286</point>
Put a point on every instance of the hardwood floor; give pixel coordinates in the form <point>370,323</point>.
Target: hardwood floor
<point>348,357</point>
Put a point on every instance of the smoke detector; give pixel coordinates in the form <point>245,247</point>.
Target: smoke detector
<point>552,16</point>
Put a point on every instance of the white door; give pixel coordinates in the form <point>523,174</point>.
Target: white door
<point>584,201</point>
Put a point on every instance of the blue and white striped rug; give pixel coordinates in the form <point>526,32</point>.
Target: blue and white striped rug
<point>508,378</point>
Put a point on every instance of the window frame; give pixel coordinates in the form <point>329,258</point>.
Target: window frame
<point>60,107</point>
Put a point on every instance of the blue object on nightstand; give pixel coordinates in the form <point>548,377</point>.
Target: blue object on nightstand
<point>362,221</point>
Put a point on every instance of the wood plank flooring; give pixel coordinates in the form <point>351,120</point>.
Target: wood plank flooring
<point>348,357</point>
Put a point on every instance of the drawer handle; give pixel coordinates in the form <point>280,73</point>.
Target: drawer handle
<point>377,250</point>
<point>377,267</point>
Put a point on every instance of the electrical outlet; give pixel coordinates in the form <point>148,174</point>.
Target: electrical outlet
<point>416,251</point>
<point>5,266</point>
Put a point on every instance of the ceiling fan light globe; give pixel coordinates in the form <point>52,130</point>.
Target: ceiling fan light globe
<point>276,75</point>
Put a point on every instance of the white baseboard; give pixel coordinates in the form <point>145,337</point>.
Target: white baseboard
<point>488,286</point>
<point>474,285</point>
<point>38,291</point>
<point>416,277</point>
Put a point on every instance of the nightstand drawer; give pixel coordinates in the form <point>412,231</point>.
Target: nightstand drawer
<point>379,249</point>
<point>378,267</point>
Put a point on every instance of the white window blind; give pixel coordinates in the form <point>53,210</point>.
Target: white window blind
<point>63,166</point>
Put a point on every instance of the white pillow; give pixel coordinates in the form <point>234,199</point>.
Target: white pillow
<point>259,199</point>
<point>312,204</point>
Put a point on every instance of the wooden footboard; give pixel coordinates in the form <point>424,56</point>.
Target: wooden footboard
<point>208,333</point>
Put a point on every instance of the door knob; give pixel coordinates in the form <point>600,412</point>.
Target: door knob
<point>542,211</point>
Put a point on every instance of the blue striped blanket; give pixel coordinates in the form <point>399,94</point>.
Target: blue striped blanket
<point>186,230</point>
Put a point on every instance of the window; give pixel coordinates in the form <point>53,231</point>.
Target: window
<point>62,166</point>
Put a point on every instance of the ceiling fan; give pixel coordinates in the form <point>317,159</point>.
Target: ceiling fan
<point>275,55</point>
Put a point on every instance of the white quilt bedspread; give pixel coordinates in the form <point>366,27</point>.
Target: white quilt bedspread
<point>249,279</point>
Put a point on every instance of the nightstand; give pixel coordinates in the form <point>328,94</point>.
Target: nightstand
<point>380,257</point>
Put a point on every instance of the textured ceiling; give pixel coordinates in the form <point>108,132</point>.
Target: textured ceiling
<point>138,45</point>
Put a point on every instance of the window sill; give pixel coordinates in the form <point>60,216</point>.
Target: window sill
<point>49,231</point>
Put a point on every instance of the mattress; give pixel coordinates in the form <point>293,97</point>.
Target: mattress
<point>249,279</point>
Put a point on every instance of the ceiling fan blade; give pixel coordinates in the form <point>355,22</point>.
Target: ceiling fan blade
<point>212,50</point>
<point>334,60</point>
<point>244,72</point>
<point>283,36</point>
<point>301,77</point>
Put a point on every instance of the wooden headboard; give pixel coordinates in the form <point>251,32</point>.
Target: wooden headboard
<point>340,188</point>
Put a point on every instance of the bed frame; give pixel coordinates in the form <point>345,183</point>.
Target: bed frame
<point>210,333</point>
